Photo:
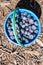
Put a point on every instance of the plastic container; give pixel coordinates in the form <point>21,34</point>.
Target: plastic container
<point>6,31</point>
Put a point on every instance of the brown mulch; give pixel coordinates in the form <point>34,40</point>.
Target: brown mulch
<point>15,55</point>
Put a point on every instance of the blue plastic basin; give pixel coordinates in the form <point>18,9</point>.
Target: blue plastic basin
<point>35,18</point>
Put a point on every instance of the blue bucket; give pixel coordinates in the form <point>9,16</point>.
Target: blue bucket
<point>9,17</point>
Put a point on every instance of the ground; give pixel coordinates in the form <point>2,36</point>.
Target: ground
<point>15,55</point>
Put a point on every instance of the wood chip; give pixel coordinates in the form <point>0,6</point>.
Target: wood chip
<point>39,42</point>
<point>1,4</point>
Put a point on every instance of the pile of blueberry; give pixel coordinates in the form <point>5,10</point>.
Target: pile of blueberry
<point>26,27</point>
<point>9,29</point>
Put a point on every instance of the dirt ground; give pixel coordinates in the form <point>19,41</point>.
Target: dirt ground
<point>15,55</point>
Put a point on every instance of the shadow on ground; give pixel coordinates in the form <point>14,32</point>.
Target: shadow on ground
<point>30,5</point>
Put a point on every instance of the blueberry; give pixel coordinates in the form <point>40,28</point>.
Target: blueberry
<point>23,39</point>
<point>36,23</point>
<point>25,14</point>
<point>11,33</point>
<point>17,27</point>
<point>9,21</point>
<point>12,37</point>
<point>30,27</point>
<point>27,21</point>
<point>31,31</point>
<point>24,18</point>
<point>21,14</point>
<point>36,31</point>
<point>17,20</point>
<point>26,36</point>
<point>26,24</point>
<point>28,16</point>
<point>17,15</point>
<point>22,31</point>
<point>9,30</point>
<point>34,27</point>
<point>19,36</point>
<point>31,21</point>
<point>26,40</point>
<point>9,27</point>
<point>31,37</point>
<point>23,21</point>
<point>26,28</point>
<point>23,26</point>
<point>17,31</point>
<point>26,33</point>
